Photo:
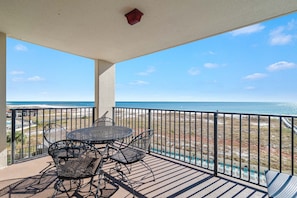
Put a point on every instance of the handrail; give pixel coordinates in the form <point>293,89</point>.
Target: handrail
<point>235,144</point>
<point>25,133</point>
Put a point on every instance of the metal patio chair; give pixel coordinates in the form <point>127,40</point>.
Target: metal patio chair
<point>52,132</point>
<point>104,121</point>
<point>76,161</point>
<point>131,153</point>
<point>281,185</point>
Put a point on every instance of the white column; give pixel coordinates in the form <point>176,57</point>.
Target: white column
<point>3,150</point>
<point>104,88</point>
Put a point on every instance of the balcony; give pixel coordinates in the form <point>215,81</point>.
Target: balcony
<point>173,179</point>
<point>193,153</point>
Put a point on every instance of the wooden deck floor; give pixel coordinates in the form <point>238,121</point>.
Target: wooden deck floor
<point>172,179</point>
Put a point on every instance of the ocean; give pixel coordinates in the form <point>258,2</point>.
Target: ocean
<point>273,108</point>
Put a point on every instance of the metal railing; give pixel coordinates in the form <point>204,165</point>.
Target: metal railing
<point>25,128</point>
<point>239,145</point>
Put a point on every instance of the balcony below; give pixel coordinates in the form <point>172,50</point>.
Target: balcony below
<point>173,179</point>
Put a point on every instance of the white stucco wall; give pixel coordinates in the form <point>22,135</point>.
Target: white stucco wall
<point>104,88</point>
<point>3,151</point>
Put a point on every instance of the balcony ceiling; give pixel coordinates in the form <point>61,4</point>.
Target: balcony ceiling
<point>98,29</point>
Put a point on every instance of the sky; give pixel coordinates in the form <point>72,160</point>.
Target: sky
<point>254,63</point>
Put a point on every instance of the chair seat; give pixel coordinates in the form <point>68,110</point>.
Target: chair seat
<point>128,155</point>
<point>75,160</point>
<point>78,168</point>
<point>131,153</point>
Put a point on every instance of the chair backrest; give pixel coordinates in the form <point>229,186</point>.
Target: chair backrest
<point>104,121</point>
<point>75,159</point>
<point>53,132</point>
<point>143,140</point>
<point>280,184</point>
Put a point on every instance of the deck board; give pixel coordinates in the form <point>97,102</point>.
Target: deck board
<point>173,179</point>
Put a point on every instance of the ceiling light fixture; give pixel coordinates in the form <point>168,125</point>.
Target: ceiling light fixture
<point>133,16</point>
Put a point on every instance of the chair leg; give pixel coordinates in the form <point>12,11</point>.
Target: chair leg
<point>60,187</point>
<point>124,177</point>
<point>148,168</point>
<point>101,184</point>
<point>117,168</point>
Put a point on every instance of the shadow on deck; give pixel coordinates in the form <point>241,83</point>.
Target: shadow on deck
<point>173,179</point>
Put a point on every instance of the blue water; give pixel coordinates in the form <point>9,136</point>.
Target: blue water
<point>53,103</point>
<point>230,107</point>
<point>275,108</point>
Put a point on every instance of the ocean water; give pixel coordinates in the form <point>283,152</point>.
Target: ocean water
<point>52,103</point>
<point>273,108</point>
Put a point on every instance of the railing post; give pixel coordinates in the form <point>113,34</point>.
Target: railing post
<point>93,117</point>
<point>215,143</point>
<point>149,127</point>
<point>13,117</point>
<point>112,115</point>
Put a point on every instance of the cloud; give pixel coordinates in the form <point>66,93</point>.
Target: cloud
<point>282,35</point>
<point>211,53</point>
<point>18,79</point>
<point>35,78</point>
<point>30,79</point>
<point>255,76</point>
<point>193,71</point>
<point>147,72</point>
<point>281,66</point>
<point>249,88</point>
<point>292,24</point>
<point>278,37</point>
<point>211,65</point>
<point>20,47</point>
<point>16,72</point>
<point>248,30</point>
<point>139,82</point>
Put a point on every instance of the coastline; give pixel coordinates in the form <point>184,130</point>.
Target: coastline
<point>34,106</point>
<point>268,108</point>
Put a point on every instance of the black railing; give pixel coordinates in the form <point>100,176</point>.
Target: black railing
<point>25,128</point>
<point>238,145</point>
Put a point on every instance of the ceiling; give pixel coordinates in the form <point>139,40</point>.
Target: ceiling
<point>98,29</point>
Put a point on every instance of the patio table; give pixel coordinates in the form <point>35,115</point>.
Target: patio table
<point>100,134</point>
